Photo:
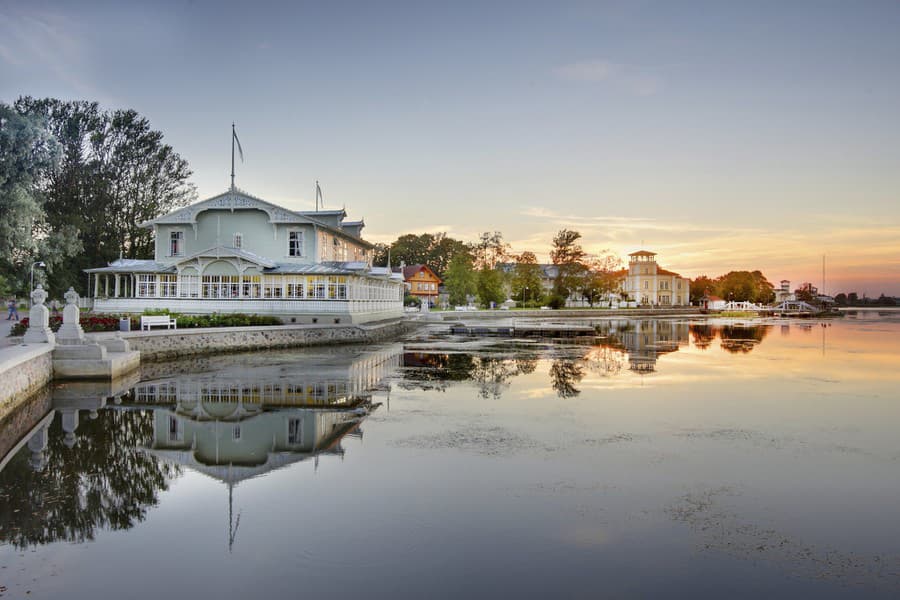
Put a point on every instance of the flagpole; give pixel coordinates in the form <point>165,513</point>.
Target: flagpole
<point>232,154</point>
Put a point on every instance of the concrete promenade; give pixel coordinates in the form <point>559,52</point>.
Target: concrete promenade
<point>5,327</point>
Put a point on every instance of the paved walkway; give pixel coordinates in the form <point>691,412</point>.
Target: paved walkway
<point>5,326</point>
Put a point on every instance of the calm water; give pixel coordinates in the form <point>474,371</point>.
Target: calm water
<point>677,458</point>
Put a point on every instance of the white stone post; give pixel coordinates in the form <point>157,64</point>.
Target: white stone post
<point>71,333</point>
<point>39,319</point>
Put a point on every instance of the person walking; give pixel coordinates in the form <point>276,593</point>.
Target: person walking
<point>13,307</point>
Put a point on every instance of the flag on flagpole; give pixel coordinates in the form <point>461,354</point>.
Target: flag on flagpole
<point>240,150</point>
<point>319,196</point>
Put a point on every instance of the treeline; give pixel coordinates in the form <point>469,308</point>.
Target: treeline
<point>488,270</point>
<point>737,286</point>
<point>853,299</point>
<point>75,180</point>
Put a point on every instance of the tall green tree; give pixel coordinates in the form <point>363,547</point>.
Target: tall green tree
<point>29,155</point>
<point>526,279</point>
<point>459,279</point>
<point>114,172</point>
<point>489,250</point>
<point>749,286</point>
<point>568,255</point>
<point>489,287</point>
<point>700,286</point>
<point>600,277</point>
<point>433,249</point>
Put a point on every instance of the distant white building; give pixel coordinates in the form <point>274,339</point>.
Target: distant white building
<point>784,293</point>
<point>646,282</point>
<point>236,253</point>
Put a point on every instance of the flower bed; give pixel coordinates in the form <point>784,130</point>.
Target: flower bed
<point>91,322</point>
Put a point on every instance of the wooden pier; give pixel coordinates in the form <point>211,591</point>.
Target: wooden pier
<point>547,330</point>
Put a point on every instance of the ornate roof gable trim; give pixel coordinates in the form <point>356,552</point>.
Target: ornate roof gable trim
<point>230,200</point>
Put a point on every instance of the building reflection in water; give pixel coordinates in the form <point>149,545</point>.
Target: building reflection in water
<point>103,453</point>
<point>639,343</point>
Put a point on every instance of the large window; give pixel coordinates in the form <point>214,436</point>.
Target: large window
<point>168,286</point>
<point>220,286</point>
<point>190,286</point>
<point>146,286</point>
<point>295,243</point>
<point>295,287</point>
<point>176,243</point>
<point>251,286</point>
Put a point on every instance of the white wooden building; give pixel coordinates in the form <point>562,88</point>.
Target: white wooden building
<point>236,253</point>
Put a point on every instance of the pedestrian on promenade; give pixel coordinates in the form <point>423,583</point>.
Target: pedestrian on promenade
<point>13,307</point>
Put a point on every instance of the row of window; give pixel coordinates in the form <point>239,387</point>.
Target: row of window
<point>663,285</point>
<point>257,286</point>
<point>277,393</point>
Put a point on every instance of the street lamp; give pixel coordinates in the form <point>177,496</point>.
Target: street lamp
<point>525,296</point>
<point>40,264</point>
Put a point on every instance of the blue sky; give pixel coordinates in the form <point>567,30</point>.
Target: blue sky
<point>723,135</point>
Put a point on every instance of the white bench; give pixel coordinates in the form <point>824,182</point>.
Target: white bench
<point>149,321</point>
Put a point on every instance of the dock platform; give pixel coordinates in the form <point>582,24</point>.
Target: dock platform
<point>549,330</point>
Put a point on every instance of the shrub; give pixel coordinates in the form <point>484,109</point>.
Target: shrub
<point>555,301</point>
<point>410,300</point>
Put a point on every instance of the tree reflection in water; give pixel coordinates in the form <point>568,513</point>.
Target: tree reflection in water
<point>104,481</point>
<point>736,339</point>
<point>491,373</point>
<point>637,344</point>
<point>565,374</point>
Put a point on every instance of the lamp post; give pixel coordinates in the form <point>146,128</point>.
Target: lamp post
<point>40,264</point>
<point>525,297</point>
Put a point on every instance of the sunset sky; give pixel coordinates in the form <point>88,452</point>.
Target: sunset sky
<point>722,135</point>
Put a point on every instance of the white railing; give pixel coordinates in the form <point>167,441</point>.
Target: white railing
<point>256,307</point>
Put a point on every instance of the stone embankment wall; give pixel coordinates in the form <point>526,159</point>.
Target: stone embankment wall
<point>22,373</point>
<point>165,344</point>
<point>23,415</point>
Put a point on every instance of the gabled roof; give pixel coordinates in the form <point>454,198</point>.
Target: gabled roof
<point>228,252</point>
<point>410,271</point>
<point>236,199</point>
<point>233,199</point>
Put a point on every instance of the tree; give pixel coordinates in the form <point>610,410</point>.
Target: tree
<point>489,250</point>
<point>435,250</point>
<point>489,287</point>
<point>600,278</point>
<point>459,280</point>
<point>567,254</point>
<point>526,280</point>
<point>701,286</point>
<point>29,155</point>
<point>742,286</point>
<point>114,173</point>
<point>841,299</point>
<point>807,292</point>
